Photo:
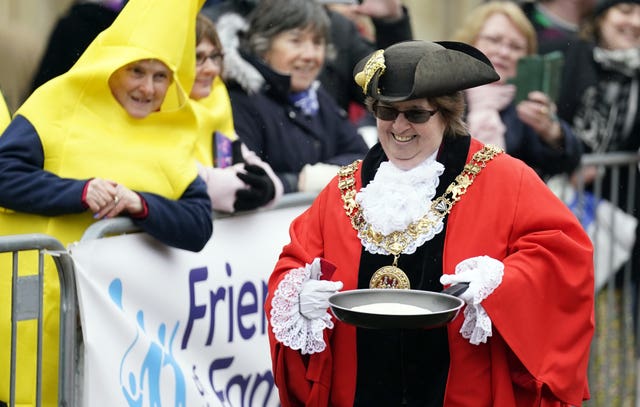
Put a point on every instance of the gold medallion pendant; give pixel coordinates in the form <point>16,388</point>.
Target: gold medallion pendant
<point>396,242</point>
<point>389,277</point>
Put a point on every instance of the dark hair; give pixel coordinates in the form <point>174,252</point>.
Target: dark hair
<point>591,29</point>
<point>272,17</point>
<point>206,29</point>
<point>451,107</point>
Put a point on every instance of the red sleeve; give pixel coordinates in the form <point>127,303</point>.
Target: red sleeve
<point>548,291</point>
<point>543,309</point>
<point>299,377</point>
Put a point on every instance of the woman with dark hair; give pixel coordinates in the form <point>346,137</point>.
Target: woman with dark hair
<point>600,98</point>
<point>391,24</point>
<point>279,108</point>
<point>600,87</point>
<point>237,179</point>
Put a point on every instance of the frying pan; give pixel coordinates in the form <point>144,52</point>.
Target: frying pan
<point>439,307</point>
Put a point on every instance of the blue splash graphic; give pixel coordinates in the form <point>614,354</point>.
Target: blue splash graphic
<point>115,292</point>
<point>143,377</point>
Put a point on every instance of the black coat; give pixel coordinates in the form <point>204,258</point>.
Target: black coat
<point>582,73</point>
<point>284,137</point>
<point>351,47</point>
<point>71,35</point>
<point>349,44</point>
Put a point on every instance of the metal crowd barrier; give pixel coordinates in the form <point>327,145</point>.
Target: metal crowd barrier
<point>613,367</point>
<point>117,226</point>
<point>27,304</point>
<point>613,363</point>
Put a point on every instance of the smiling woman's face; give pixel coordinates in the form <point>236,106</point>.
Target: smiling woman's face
<point>140,87</point>
<point>300,53</point>
<point>208,67</point>
<point>502,42</point>
<point>620,27</point>
<point>407,144</point>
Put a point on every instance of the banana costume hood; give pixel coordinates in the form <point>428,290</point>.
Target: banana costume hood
<point>86,133</point>
<point>5,117</point>
<point>88,120</point>
<point>214,114</point>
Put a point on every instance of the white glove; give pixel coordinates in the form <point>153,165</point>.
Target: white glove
<point>313,178</point>
<point>289,325</point>
<point>314,297</point>
<point>483,274</point>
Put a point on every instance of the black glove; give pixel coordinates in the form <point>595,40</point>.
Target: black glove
<point>236,151</point>
<point>261,189</point>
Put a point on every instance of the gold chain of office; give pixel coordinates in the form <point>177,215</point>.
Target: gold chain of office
<point>395,242</point>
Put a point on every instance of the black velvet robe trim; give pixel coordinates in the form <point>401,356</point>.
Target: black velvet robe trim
<point>407,367</point>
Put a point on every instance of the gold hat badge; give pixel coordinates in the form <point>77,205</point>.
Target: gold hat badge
<point>373,65</point>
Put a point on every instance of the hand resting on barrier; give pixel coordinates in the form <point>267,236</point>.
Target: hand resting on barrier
<point>107,199</point>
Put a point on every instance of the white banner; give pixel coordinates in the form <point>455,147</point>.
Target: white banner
<point>166,327</point>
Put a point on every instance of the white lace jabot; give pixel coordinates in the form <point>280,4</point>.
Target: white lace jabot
<point>395,198</point>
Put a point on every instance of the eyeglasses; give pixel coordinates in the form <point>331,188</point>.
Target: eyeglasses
<point>413,115</point>
<point>215,57</point>
<point>497,41</point>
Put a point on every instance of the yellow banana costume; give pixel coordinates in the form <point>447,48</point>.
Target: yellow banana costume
<point>85,133</point>
<point>5,117</point>
<point>214,114</point>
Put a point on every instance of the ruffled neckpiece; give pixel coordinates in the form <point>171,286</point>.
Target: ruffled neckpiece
<point>396,198</point>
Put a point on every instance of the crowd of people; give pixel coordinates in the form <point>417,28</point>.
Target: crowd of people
<point>528,129</point>
<point>246,100</point>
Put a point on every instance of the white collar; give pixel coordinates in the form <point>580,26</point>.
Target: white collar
<point>395,197</point>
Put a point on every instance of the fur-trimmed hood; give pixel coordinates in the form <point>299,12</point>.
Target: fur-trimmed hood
<point>231,27</point>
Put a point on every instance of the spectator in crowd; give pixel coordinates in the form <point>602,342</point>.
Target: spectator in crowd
<point>528,130</point>
<point>556,22</point>
<point>280,110</point>
<point>350,9</point>
<point>418,210</point>
<point>391,24</point>
<point>600,84</point>
<point>600,89</point>
<point>237,179</point>
<point>599,97</point>
<point>72,34</point>
<point>114,136</point>
<point>5,117</point>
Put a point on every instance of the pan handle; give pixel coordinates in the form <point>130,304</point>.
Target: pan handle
<point>456,289</point>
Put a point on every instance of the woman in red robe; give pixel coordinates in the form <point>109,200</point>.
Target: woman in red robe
<point>462,212</point>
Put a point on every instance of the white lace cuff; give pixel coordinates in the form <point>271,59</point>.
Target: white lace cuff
<point>483,274</point>
<point>477,325</point>
<point>288,325</point>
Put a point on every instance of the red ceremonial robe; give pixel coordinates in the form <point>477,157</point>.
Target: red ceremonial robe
<point>542,313</point>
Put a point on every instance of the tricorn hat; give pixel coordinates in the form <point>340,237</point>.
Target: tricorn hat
<point>417,69</point>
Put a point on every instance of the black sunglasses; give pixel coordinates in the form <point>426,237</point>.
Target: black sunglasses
<point>412,115</point>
